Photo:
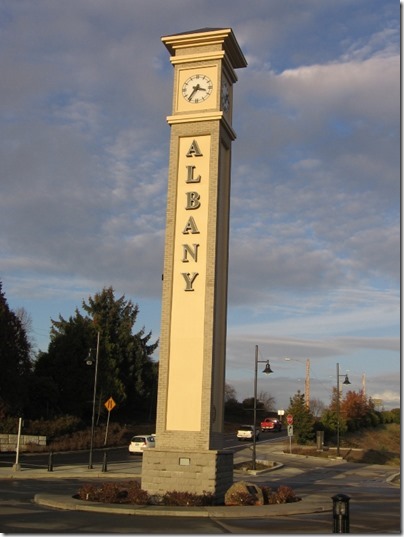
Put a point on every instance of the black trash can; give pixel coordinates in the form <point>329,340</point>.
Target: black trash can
<point>340,513</point>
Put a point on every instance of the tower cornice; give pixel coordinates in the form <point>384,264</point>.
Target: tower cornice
<point>207,37</point>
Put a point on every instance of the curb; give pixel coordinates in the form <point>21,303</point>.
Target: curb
<point>313,503</point>
<point>394,479</point>
<point>275,466</point>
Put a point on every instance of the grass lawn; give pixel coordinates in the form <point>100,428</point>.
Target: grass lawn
<point>378,445</point>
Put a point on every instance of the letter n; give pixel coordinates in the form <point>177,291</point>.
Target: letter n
<point>193,252</point>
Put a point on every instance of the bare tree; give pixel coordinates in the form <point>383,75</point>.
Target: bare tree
<point>317,407</point>
<point>230,393</point>
<point>26,322</point>
<point>268,401</point>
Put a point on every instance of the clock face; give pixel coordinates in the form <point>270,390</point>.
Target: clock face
<point>225,97</point>
<point>197,88</point>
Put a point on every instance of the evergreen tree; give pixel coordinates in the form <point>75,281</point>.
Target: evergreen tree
<point>15,361</point>
<point>303,419</point>
<point>330,422</point>
<point>125,368</point>
<point>64,365</point>
<point>329,417</point>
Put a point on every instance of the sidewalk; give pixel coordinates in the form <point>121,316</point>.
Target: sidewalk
<point>122,470</point>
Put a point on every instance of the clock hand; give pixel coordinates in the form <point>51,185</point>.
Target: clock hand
<point>196,88</point>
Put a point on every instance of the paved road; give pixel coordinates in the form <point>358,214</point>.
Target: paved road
<point>114,455</point>
<point>375,503</point>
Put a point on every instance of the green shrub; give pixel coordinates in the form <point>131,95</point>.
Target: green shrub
<point>375,418</point>
<point>396,413</point>
<point>9,425</point>
<point>49,428</point>
<point>391,416</point>
<point>54,428</point>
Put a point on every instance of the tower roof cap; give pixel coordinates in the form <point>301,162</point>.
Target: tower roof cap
<point>208,36</point>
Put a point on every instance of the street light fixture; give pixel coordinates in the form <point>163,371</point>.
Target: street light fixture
<point>267,371</point>
<point>90,361</point>
<point>346,381</point>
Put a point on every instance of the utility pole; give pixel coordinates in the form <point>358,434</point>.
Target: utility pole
<point>307,385</point>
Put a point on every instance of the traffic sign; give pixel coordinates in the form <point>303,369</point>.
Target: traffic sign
<point>110,404</point>
<point>290,430</point>
<point>289,419</point>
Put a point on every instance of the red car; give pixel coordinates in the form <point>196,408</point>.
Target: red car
<point>271,424</point>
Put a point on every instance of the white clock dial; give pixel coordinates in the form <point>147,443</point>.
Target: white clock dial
<point>197,88</point>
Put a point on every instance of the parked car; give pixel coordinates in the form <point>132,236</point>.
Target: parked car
<point>140,442</point>
<point>246,432</point>
<point>271,424</point>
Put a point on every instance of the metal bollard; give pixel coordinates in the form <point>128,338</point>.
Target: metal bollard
<point>50,462</point>
<point>320,440</point>
<point>340,512</point>
<point>104,464</point>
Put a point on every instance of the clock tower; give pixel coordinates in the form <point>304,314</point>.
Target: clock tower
<point>189,453</point>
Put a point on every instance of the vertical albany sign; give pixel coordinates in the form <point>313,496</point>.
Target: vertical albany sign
<point>189,281</point>
<point>192,227</point>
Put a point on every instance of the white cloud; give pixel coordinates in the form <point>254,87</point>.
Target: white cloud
<point>352,89</point>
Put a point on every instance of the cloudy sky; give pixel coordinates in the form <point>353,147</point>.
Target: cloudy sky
<point>85,89</point>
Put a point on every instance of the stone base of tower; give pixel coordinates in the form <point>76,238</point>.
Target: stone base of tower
<point>187,471</point>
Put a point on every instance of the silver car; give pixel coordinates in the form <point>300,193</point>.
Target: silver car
<point>140,442</point>
<point>246,432</point>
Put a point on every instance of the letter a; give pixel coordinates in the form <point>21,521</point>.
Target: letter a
<point>194,150</point>
<point>190,227</point>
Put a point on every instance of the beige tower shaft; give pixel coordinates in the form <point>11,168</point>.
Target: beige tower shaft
<point>190,406</point>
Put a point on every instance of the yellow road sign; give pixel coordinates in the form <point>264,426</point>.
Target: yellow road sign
<point>110,404</point>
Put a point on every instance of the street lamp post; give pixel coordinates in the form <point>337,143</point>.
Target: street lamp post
<point>90,361</point>
<point>346,381</point>
<point>267,371</point>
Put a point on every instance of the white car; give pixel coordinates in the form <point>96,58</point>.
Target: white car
<point>140,442</point>
<point>246,432</point>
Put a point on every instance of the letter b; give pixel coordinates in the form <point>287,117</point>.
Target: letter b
<point>193,200</point>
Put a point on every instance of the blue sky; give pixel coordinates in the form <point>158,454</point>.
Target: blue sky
<point>314,271</point>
